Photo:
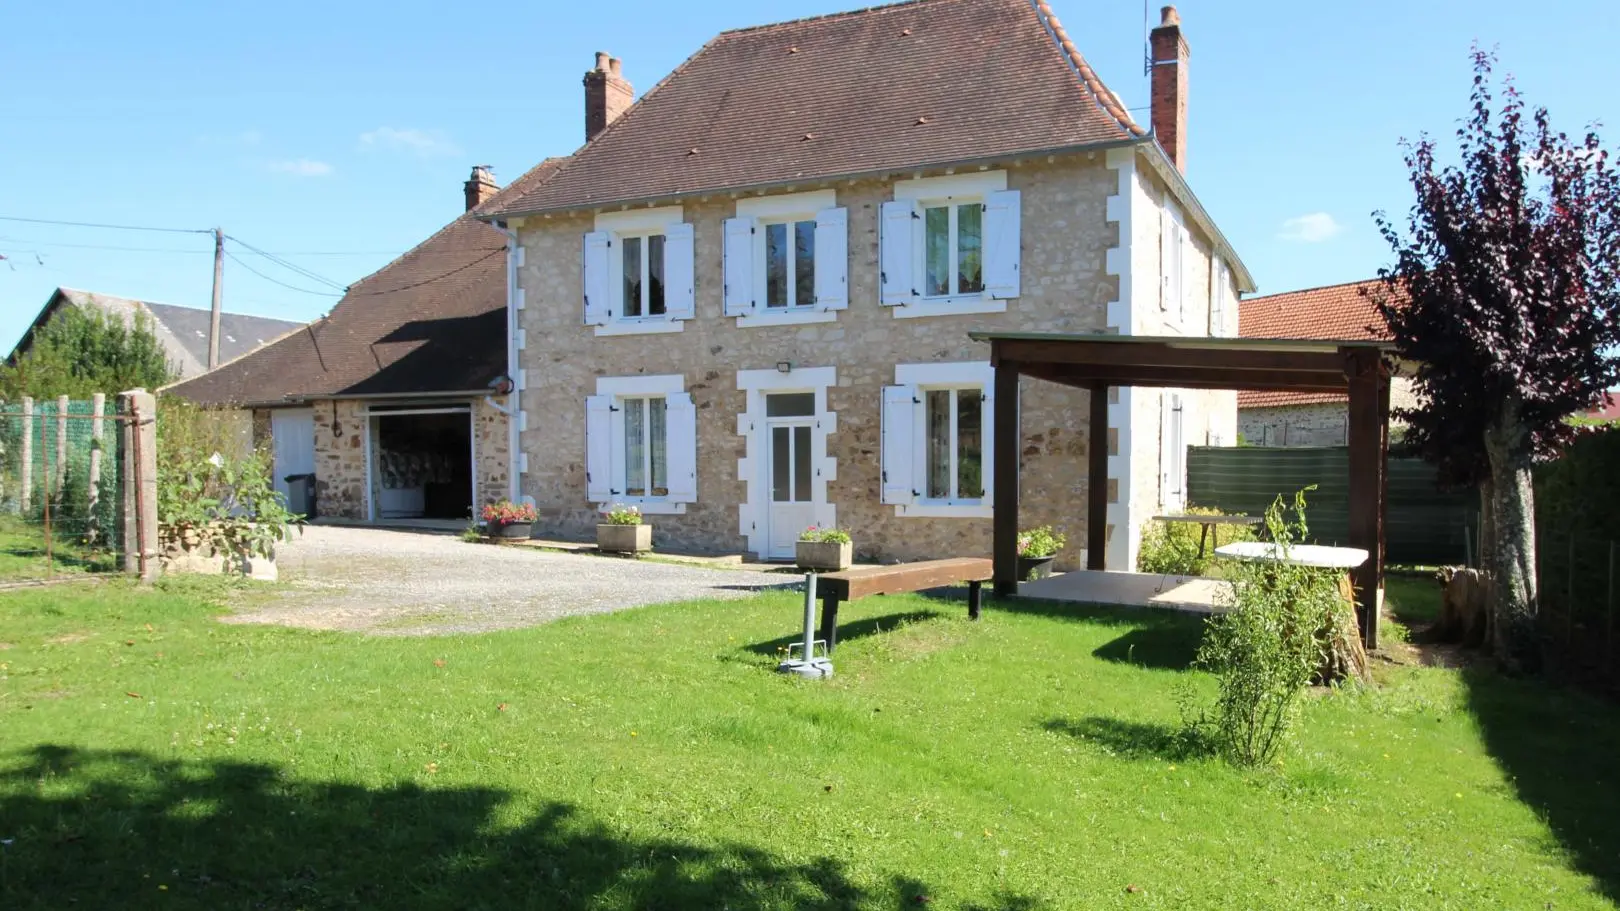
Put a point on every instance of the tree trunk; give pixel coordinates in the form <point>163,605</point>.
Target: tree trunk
<point>1513,544</point>
<point>1343,656</point>
<point>1486,557</point>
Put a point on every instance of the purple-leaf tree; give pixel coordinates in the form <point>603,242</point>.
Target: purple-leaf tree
<point>1504,293</point>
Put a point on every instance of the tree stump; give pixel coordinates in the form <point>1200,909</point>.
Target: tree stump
<point>1343,656</point>
<point>1464,613</point>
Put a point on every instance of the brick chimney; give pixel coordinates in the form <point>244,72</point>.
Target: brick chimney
<point>480,186</point>
<point>607,95</point>
<point>1169,51</point>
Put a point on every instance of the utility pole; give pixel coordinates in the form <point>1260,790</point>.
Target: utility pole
<point>213,318</point>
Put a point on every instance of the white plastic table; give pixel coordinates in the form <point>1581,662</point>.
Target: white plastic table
<point>1298,555</point>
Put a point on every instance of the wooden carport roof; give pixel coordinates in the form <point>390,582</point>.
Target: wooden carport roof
<point>1359,368</point>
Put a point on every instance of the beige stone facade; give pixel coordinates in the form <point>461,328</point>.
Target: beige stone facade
<point>1082,240</point>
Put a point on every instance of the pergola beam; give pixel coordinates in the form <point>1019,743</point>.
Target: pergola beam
<point>1100,352</point>
<point>1085,375</point>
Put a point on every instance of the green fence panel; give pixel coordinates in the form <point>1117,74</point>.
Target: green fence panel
<point>55,511</point>
<point>1423,524</point>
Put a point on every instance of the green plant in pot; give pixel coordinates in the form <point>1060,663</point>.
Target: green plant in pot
<point>826,550</point>
<point>1037,548</point>
<point>623,532</point>
<point>505,519</point>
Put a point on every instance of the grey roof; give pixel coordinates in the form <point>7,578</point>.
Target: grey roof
<point>182,331</point>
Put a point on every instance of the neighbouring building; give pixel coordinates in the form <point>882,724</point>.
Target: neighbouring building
<point>396,400</point>
<point>744,304</point>
<point>1310,418</point>
<point>181,331</point>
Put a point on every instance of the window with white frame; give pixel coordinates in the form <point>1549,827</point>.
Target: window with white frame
<point>937,422</point>
<point>951,245</point>
<point>1173,243</point>
<point>786,258</point>
<point>638,272</point>
<point>1172,450</point>
<point>641,443</point>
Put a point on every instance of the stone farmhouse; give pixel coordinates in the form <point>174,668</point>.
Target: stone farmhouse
<point>744,304</point>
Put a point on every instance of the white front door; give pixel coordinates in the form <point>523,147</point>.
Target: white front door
<point>788,429</point>
<point>292,437</point>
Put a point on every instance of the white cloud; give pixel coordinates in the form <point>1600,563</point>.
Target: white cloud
<point>301,167</point>
<point>1314,228</point>
<point>426,143</point>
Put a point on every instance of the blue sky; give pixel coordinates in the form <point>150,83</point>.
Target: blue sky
<point>339,133</point>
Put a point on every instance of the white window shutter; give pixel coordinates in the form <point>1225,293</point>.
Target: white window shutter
<point>899,453</point>
<point>739,265</point>
<point>1164,448</point>
<point>599,449</point>
<point>680,293</point>
<point>1002,244</point>
<point>832,259</point>
<point>680,447</point>
<point>1183,257</point>
<point>1220,299</point>
<point>902,224</point>
<point>1168,243</point>
<point>594,268</point>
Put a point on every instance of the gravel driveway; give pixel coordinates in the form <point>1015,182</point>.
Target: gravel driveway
<point>413,583</point>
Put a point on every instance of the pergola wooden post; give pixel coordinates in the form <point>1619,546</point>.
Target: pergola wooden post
<point>1097,362</point>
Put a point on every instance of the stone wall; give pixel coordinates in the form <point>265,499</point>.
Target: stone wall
<point>493,447</point>
<point>1065,288</point>
<point>340,459</point>
<point>1314,424</point>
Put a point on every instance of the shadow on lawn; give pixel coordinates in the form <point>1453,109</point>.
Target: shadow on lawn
<point>1164,646</point>
<point>1129,739</point>
<point>1558,746</point>
<point>858,629</point>
<point>124,829</point>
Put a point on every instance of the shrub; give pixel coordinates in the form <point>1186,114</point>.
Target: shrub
<point>1040,542</point>
<point>1267,646</point>
<point>1171,548</point>
<point>505,512</point>
<point>214,488</point>
<point>816,535</point>
<point>620,514</point>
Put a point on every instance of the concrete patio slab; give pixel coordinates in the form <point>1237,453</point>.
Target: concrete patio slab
<point>1185,593</point>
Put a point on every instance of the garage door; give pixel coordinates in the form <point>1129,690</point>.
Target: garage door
<point>292,434</point>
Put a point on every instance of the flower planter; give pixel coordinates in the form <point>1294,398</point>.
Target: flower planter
<point>511,530</point>
<point>623,539</point>
<point>824,556</point>
<point>1032,568</point>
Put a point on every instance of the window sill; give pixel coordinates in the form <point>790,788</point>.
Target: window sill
<point>946,511</point>
<point>951,306</point>
<point>640,327</point>
<point>647,507</point>
<point>783,317</point>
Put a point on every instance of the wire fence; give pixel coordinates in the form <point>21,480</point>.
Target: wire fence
<point>1579,613</point>
<point>60,489</point>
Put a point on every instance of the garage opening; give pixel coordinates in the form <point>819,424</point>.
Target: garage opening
<point>421,462</point>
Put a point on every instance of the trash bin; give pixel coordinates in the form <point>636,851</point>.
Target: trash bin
<point>301,494</point>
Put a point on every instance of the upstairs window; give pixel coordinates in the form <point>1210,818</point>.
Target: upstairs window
<point>951,245</point>
<point>637,272</point>
<point>787,259</point>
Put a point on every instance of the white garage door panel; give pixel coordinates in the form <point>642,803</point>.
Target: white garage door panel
<point>292,433</point>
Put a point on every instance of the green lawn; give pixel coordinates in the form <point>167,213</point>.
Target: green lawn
<point>22,553</point>
<point>151,756</point>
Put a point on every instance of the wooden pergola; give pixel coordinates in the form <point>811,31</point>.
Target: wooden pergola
<point>1359,369</point>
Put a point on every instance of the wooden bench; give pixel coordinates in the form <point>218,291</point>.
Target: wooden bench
<point>904,577</point>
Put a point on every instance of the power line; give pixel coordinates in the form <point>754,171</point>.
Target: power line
<point>442,275</point>
<point>238,260</point>
<point>54,243</point>
<point>292,267</point>
<point>91,224</point>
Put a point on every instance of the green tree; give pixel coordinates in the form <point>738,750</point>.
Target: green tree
<point>79,352</point>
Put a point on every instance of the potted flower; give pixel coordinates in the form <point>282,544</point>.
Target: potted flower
<point>505,519</point>
<point>826,550</point>
<point>623,532</point>
<point>1036,549</point>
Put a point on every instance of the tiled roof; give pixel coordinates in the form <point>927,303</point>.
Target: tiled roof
<point>1331,312</point>
<point>930,82</point>
<point>181,331</point>
<point>433,320</point>
<point>1609,410</point>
